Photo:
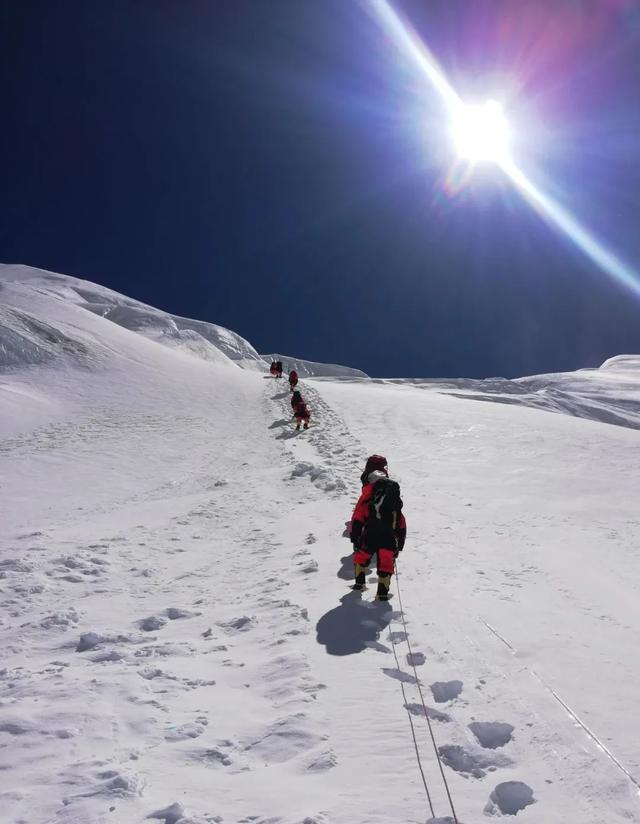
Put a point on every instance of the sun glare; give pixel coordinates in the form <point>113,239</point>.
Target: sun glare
<point>481,132</point>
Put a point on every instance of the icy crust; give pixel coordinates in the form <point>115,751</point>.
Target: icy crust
<point>311,369</point>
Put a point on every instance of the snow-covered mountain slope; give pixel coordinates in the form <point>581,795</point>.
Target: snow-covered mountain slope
<point>610,394</point>
<point>26,338</point>
<point>179,640</point>
<point>311,369</point>
<point>26,290</point>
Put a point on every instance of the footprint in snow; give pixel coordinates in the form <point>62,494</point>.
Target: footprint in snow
<point>90,640</point>
<point>150,673</point>
<point>416,659</point>
<point>241,624</point>
<point>192,729</point>
<point>492,734</point>
<point>60,620</point>
<point>325,761</point>
<point>444,691</point>
<point>152,623</point>
<point>214,756</point>
<point>509,798</point>
<point>165,650</point>
<point>112,783</point>
<point>308,566</point>
<point>471,763</point>
<point>173,613</point>
<point>108,656</point>
<point>16,727</point>
<point>169,815</point>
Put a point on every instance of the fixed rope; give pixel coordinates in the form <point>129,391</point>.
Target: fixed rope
<point>424,706</point>
<point>413,733</point>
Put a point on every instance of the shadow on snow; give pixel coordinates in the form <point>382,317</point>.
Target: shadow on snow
<point>353,626</point>
<point>281,422</point>
<point>346,570</point>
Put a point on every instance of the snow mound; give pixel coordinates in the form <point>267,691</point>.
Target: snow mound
<point>311,369</point>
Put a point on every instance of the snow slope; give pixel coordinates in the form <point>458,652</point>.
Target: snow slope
<point>32,291</point>
<point>27,338</point>
<point>610,394</point>
<point>180,642</point>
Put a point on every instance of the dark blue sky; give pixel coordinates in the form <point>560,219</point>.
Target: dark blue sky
<point>278,167</point>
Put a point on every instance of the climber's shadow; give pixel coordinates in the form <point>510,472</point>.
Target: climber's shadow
<point>346,570</point>
<point>353,626</point>
<point>281,422</point>
<point>285,436</point>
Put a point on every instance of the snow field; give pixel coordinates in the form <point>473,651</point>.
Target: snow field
<point>513,528</point>
<point>181,643</point>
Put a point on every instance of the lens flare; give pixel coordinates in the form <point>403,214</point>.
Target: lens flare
<point>559,217</point>
<point>494,145</point>
<point>481,132</point>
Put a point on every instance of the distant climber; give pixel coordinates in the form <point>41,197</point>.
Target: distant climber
<point>293,380</point>
<point>296,398</point>
<point>378,527</point>
<point>273,369</point>
<point>302,414</point>
<point>278,369</point>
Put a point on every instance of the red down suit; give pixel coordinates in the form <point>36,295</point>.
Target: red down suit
<point>369,537</point>
<point>301,412</point>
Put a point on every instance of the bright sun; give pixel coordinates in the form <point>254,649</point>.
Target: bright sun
<point>481,133</point>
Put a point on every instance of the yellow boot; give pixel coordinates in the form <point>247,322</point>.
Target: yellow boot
<point>360,574</point>
<point>384,581</point>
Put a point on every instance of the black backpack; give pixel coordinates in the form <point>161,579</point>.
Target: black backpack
<point>385,506</point>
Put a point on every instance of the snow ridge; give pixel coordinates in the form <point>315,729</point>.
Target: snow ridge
<point>26,339</point>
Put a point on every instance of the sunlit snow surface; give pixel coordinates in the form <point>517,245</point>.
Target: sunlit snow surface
<point>179,640</point>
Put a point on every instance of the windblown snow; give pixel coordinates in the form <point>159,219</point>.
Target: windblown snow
<point>180,643</point>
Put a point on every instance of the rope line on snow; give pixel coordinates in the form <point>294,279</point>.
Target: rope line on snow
<point>424,706</point>
<point>413,733</point>
<point>572,714</point>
